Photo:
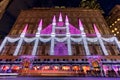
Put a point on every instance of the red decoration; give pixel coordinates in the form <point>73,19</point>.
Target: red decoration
<point>16,68</point>
<point>5,67</point>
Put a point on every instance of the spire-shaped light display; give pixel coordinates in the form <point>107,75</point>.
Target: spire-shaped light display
<point>40,25</point>
<point>60,17</point>
<point>66,20</point>
<point>96,30</point>
<point>80,25</point>
<point>24,31</point>
<point>54,20</point>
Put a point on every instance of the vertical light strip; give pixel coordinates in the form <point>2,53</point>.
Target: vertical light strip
<point>68,36</point>
<point>83,34</point>
<point>52,45</point>
<point>69,46</point>
<point>22,36</point>
<point>100,40</point>
<point>85,45</point>
<point>35,47</point>
<point>34,51</point>
<point>102,46</point>
<point>18,47</point>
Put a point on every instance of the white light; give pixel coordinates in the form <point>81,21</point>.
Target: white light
<point>68,35</point>
<point>22,35</point>
<point>37,34</point>
<point>53,34</point>
<point>81,28</point>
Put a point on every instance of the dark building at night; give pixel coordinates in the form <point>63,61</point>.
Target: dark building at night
<point>114,21</point>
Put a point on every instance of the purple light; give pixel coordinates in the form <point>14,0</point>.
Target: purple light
<point>80,23</point>
<point>115,68</point>
<point>47,30</point>
<point>61,49</point>
<point>60,24</point>
<point>74,30</point>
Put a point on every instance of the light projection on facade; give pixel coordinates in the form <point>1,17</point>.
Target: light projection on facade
<point>61,35</point>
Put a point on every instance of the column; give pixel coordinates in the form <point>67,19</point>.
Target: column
<point>52,46</point>
<point>68,35</point>
<point>18,47</point>
<point>69,46</point>
<point>22,36</point>
<point>85,45</point>
<point>100,40</point>
<point>53,36</point>
<point>34,51</point>
<point>84,38</point>
<point>102,46</point>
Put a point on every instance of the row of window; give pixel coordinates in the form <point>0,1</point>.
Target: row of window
<point>38,60</point>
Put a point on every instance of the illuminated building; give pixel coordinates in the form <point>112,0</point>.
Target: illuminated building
<point>71,41</point>
<point>114,21</point>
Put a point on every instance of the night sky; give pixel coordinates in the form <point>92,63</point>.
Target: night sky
<point>16,6</point>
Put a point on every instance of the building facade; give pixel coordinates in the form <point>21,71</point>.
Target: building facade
<point>114,21</point>
<point>3,5</point>
<point>61,41</point>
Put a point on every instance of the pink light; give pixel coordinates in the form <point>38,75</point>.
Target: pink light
<point>60,24</point>
<point>105,68</point>
<point>40,25</point>
<point>80,25</point>
<point>25,29</point>
<point>66,19</point>
<point>60,17</point>
<point>45,67</point>
<point>54,19</point>
<point>95,28</point>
